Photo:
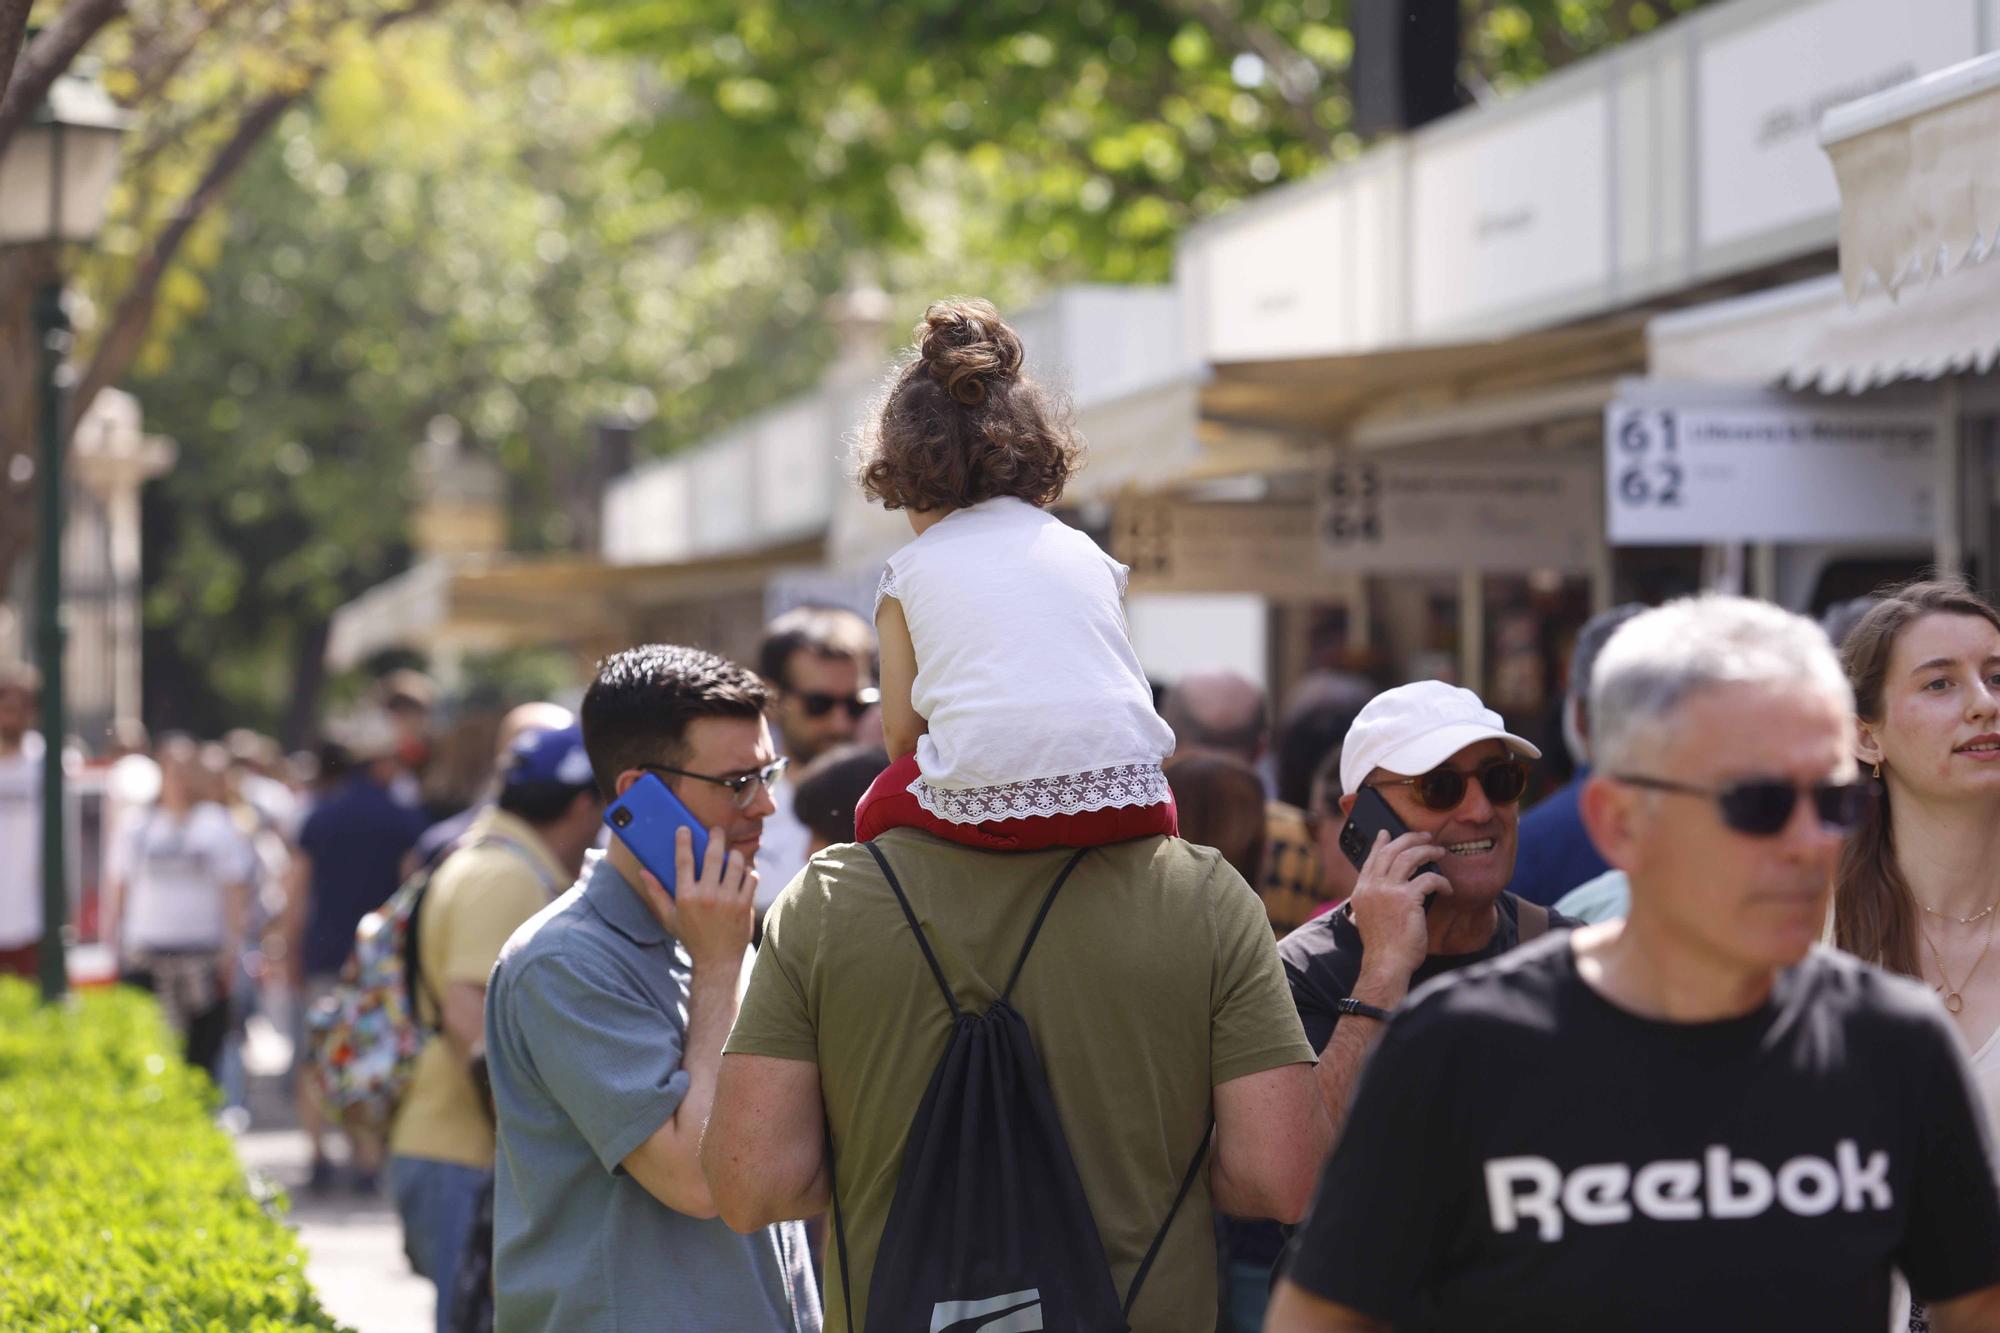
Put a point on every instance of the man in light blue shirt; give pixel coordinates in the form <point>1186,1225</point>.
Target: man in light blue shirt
<point>605,1019</point>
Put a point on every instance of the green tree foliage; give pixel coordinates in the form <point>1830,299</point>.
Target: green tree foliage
<point>1092,130</point>
<point>438,242</point>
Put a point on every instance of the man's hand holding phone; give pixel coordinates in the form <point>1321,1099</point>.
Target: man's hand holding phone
<point>711,912</point>
<point>1388,903</point>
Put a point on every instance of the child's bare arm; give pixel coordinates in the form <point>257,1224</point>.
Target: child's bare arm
<point>901,724</point>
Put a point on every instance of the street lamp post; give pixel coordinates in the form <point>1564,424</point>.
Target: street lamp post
<point>55,181</point>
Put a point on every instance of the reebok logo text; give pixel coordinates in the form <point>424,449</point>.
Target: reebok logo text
<point>1017,1312</point>
<point>1719,1186</point>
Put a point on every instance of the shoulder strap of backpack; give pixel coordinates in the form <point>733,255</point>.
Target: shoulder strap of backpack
<point>896,887</point>
<point>1035,930</point>
<point>839,1223</point>
<point>1160,1237</point>
<point>1531,919</point>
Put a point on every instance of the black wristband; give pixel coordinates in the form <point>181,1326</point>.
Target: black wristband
<point>1361,1009</point>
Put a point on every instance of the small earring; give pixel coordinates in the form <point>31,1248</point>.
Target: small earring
<point>1878,772</point>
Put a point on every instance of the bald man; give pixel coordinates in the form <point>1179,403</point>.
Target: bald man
<point>1225,713</point>
<point>439,838</point>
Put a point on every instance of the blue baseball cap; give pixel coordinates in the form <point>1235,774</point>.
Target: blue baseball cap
<point>550,757</point>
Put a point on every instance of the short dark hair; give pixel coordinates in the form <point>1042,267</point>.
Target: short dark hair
<point>539,803</point>
<point>823,631</point>
<point>1221,805</point>
<point>832,785</point>
<point>962,424</point>
<point>638,708</point>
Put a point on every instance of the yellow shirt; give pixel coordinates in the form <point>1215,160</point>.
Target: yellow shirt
<point>476,900</point>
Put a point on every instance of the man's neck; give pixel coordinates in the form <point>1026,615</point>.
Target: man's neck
<point>1642,968</point>
<point>1462,928</point>
<point>627,865</point>
<point>1947,852</point>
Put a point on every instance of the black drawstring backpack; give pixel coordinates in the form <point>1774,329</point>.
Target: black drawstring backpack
<point>990,1231</point>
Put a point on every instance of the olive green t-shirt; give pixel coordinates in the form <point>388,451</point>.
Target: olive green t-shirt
<point>1154,980</point>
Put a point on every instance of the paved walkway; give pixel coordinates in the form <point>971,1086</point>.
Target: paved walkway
<point>354,1244</point>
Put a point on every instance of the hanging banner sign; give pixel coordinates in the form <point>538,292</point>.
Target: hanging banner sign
<point>1182,546</point>
<point>1430,516</point>
<point>1784,470</point>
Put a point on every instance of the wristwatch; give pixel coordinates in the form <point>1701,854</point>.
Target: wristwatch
<point>1361,1009</point>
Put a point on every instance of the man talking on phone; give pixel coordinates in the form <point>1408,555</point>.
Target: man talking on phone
<point>605,1020</point>
<point>1449,772</point>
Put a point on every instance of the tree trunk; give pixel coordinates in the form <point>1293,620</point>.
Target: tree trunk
<point>301,723</point>
<point>52,52</point>
<point>13,28</point>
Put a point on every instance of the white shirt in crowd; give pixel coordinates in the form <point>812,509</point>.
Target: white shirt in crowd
<point>176,868</point>
<point>1026,674</point>
<point>21,845</point>
<point>781,854</point>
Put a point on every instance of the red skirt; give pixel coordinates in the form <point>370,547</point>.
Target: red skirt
<point>890,804</point>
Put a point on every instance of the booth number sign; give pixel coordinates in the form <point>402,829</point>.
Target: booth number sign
<point>1649,472</point>
<point>1352,512</point>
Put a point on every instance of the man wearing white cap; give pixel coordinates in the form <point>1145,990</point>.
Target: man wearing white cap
<point>1453,773</point>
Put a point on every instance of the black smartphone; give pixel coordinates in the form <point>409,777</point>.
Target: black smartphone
<point>1372,815</point>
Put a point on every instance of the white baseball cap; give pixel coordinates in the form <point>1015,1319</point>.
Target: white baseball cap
<point>1413,728</point>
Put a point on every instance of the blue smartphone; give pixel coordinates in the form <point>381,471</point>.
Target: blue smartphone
<point>644,819</point>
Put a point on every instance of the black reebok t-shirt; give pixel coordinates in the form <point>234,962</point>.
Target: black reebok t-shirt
<point>1524,1155</point>
<point>1323,959</point>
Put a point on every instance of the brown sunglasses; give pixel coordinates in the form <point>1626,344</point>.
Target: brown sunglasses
<point>1441,789</point>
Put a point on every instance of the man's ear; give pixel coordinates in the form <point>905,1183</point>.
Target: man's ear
<point>1347,803</point>
<point>1611,812</point>
<point>623,782</point>
<point>1866,747</point>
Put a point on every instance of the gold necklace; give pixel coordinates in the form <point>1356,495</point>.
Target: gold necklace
<point>1962,920</point>
<point>1953,1000</point>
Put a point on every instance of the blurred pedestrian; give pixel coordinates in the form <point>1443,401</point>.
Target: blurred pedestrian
<point>441,837</point>
<point>1693,1118</point>
<point>825,795</point>
<point>1221,805</point>
<point>20,822</point>
<point>604,1024</point>
<point>1043,1131</point>
<point>820,664</point>
<point>1920,880</point>
<point>1225,713</point>
<point>517,857</point>
<point>179,912</point>
<point>1556,854</point>
<point>348,862</point>
<point>408,699</point>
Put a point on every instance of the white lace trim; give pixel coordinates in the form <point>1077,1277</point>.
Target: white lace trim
<point>1071,794</point>
<point>886,588</point>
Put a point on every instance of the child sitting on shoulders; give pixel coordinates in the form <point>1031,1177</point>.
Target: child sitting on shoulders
<point>1013,704</point>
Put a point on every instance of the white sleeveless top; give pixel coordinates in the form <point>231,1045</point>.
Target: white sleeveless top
<point>1025,673</point>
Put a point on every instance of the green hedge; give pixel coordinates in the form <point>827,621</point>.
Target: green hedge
<point>122,1205</point>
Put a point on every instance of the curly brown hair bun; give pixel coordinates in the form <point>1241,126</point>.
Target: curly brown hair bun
<point>962,424</point>
<point>964,344</point>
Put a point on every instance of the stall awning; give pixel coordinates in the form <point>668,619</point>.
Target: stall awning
<point>521,601</point>
<point>1808,336</point>
<point>1399,394</point>
<point>1919,177</point>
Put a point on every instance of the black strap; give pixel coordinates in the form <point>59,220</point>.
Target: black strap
<point>1160,1238</point>
<point>944,987</point>
<point>1041,916</point>
<point>839,1225</point>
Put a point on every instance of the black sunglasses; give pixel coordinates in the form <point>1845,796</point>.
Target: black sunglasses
<point>816,704</point>
<point>743,787</point>
<point>1761,807</point>
<point>1441,789</point>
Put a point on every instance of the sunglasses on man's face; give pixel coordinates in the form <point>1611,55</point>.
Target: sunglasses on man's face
<point>817,704</point>
<point>1762,807</point>
<point>1442,789</point>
